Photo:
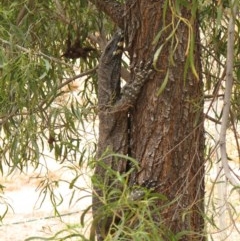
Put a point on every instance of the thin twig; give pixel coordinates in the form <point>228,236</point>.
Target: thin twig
<point>235,132</point>
<point>69,80</point>
<point>212,119</point>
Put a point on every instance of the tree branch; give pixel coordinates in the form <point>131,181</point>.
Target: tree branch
<point>111,8</point>
<point>69,80</point>
<point>227,97</point>
<point>24,11</point>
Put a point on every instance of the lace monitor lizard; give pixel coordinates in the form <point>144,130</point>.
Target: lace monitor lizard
<point>113,107</point>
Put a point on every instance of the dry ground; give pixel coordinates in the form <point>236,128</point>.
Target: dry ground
<point>29,218</point>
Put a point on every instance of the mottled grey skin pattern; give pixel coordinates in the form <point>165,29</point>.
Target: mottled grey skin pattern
<point>113,107</point>
<point>113,126</point>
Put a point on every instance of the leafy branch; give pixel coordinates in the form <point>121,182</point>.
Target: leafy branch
<point>38,53</point>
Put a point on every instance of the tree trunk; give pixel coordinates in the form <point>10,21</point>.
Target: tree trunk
<point>167,136</point>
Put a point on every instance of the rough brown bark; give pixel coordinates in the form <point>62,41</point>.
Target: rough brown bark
<point>167,131</point>
<point>167,137</point>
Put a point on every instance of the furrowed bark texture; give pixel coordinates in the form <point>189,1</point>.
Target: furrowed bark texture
<point>167,132</point>
<point>167,136</point>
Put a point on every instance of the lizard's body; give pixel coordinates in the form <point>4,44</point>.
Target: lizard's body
<point>113,126</point>
<point>113,109</point>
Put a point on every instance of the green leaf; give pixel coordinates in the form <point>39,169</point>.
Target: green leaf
<point>164,84</point>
